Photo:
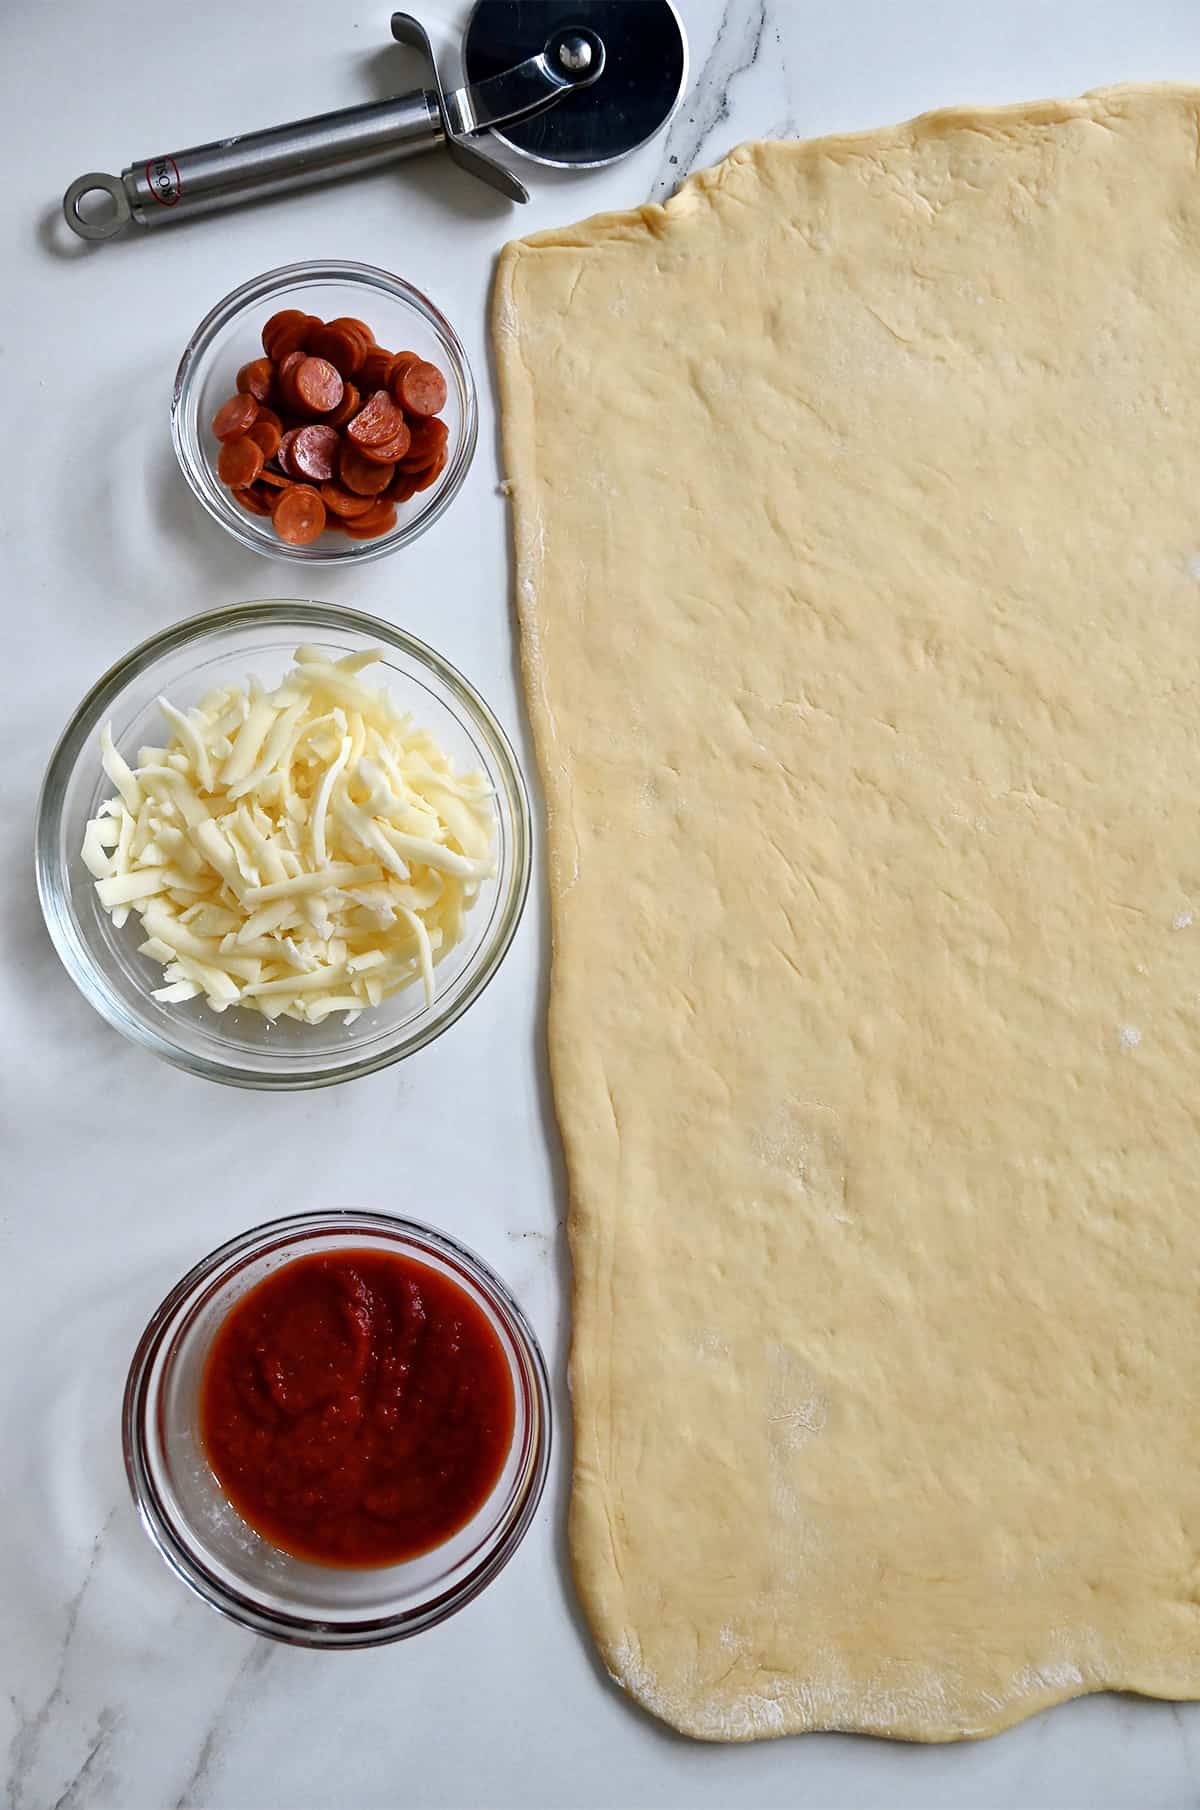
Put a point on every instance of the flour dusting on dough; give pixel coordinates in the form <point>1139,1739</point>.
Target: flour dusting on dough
<point>1059,1678</point>
<point>756,1703</point>
<point>745,1716</point>
<point>796,1405</point>
<point>804,1141</point>
<point>531,553</point>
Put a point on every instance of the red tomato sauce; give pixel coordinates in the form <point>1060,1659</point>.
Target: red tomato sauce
<point>357,1408</point>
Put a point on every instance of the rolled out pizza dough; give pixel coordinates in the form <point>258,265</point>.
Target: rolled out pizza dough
<point>857,519</point>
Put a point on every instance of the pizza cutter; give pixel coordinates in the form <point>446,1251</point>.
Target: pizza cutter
<point>574,83</point>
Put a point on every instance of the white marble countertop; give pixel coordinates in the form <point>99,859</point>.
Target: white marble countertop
<point>120,1690</point>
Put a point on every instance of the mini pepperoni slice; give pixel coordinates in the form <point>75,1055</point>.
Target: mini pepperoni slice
<point>235,417</point>
<point>313,452</point>
<point>345,503</point>
<point>254,379</point>
<point>283,455</point>
<point>360,327</point>
<point>421,480</point>
<point>375,368</point>
<point>298,514</point>
<point>294,336</point>
<point>252,501</point>
<point>285,372</point>
<point>415,467</point>
<point>359,332</point>
<point>340,347</point>
<point>268,475</point>
<point>240,462</point>
<point>347,407</point>
<point>422,390</point>
<point>318,385</point>
<point>391,450</point>
<point>401,488</point>
<point>370,527</point>
<point>428,439</point>
<point>402,362</point>
<point>276,324</point>
<point>266,434</point>
<point>380,511</point>
<point>377,421</point>
<point>360,475</point>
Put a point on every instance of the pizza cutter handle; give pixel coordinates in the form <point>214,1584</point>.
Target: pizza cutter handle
<point>154,191</point>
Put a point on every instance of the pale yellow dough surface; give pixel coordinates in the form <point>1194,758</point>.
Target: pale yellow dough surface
<point>857,511</point>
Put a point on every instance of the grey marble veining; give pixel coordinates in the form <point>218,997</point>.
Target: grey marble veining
<point>708,105</point>
<point>36,1726</point>
<point>258,1656</point>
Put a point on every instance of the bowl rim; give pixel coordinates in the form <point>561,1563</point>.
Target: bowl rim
<point>257,289</point>
<point>143,1392</point>
<point>308,615</point>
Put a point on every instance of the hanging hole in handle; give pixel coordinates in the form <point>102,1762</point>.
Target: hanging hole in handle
<point>89,215</point>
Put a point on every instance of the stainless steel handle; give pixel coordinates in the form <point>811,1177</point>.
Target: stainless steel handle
<point>153,191</point>
<point>282,157</point>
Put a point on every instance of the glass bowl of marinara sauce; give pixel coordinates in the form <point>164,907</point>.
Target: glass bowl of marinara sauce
<point>337,1428</point>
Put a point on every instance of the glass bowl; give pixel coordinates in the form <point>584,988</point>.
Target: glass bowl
<point>231,334</point>
<point>218,1554</point>
<point>182,663</point>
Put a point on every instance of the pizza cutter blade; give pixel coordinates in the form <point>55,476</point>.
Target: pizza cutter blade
<point>522,61</point>
<point>642,83</point>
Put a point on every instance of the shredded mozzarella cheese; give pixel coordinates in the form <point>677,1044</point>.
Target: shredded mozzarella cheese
<point>299,852</point>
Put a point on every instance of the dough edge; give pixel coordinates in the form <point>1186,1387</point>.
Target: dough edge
<point>900,1709</point>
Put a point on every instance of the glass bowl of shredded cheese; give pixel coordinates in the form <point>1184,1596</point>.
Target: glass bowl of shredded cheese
<point>283,844</point>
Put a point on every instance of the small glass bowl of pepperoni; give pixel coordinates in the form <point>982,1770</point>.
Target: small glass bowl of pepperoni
<point>325,413</point>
